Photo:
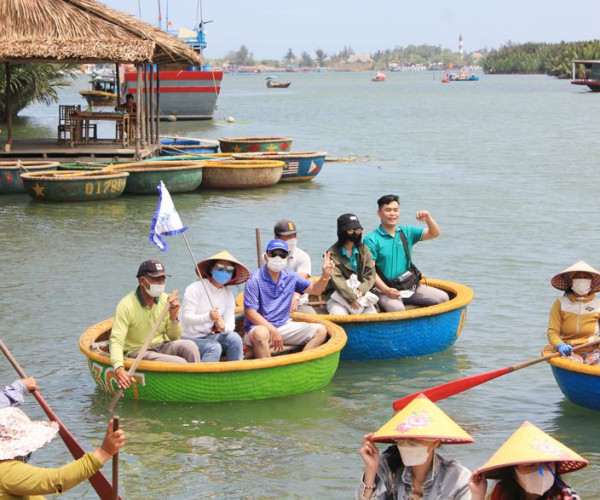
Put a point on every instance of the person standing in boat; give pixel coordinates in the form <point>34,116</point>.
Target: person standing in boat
<point>353,277</point>
<point>574,317</point>
<point>135,317</point>
<point>207,313</point>
<point>267,301</point>
<point>387,245</point>
<point>298,261</point>
<point>412,468</point>
<point>528,466</point>
<point>12,395</point>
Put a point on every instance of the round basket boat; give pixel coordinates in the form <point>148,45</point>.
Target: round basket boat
<point>580,383</point>
<point>403,334</point>
<point>222,381</point>
<point>255,144</point>
<point>241,174</point>
<point>10,173</point>
<point>174,145</point>
<point>145,176</point>
<point>75,185</point>
<point>298,166</point>
<point>192,157</point>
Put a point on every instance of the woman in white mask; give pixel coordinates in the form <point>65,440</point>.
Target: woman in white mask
<point>412,468</point>
<point>528,466</point>
<point>574,317</point>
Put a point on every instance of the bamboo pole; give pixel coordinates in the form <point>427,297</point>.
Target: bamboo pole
<point>9,121</point>
<point>138,112</point>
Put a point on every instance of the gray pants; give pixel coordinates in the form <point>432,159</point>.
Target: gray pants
<point>173,351</point>
<point>424,296</point>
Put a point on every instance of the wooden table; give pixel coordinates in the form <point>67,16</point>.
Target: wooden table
<point>80,126</point>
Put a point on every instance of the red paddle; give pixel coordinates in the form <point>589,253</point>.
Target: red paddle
<point>99,481</point>
<point>457,386</point>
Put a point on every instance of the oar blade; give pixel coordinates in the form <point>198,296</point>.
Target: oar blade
<point>451,388</point>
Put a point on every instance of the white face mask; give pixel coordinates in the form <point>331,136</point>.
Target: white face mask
<point>292,244</point>
<point>581,286</point>
<point>536,483</point>
<point>155,289</point>
<point>413,454</point>
<point>276,264</point>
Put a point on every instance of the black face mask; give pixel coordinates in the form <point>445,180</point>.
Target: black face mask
<point>354,238</point>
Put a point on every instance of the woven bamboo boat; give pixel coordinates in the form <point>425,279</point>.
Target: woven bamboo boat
<point>241,174</point>
<point>223,381</point>
<point>74,185</point>
<point>144,177</point>
<point>255,144</point>
<point>579,383</point>
<point>175,146</point>
<point>298,166</point>
<point>10,173</point>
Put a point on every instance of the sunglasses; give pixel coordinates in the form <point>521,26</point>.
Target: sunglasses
<point>278,253</point>
<point>222,267</point>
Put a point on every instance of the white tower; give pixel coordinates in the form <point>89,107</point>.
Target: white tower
<point>461,46</point>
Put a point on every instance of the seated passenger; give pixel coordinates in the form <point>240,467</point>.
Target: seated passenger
<point>353,276</point>
<point>267,300</point>
<point>412,468</point>
<point>129,105</point>
<point>298,261</point>
<point>136,316</point>
<point>574,317</point>
<point>391,247</point>
<point>528,466</point>
<point>207,313</point>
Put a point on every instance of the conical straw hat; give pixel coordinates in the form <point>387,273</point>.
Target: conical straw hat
<point>422,419</point>
<point>562,280</point>
<point>240,276</point>
<point>531,445</point>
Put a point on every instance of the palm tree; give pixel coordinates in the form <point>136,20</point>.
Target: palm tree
<point>36,82</point>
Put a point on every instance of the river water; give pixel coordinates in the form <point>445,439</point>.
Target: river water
<point>505,165</point>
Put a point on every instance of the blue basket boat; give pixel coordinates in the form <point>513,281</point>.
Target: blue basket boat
<point>298,166</point>
<point>174,146</point>
<point>579,383</point>
<point>414,332</point>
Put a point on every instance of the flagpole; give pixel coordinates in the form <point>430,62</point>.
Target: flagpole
<point>196,268</point>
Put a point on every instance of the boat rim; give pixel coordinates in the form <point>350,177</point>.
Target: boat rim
<point>243,164</point>
<point>278,154</point>
<point>255,139</point>
<point>22,165</point>
<point>156,166</point>
<point>335,344</point>
<point>72,175</point>
<point>569,365</point>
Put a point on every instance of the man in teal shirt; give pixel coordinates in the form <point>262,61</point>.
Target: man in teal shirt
<point>391,260</point>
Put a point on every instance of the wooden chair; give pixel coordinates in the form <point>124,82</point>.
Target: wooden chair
<point>65,112</point>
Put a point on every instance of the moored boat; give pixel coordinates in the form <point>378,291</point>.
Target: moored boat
<point>298,166</point>
<point>104,92</point>
<point>580,383</point>
<point>586,72</point>
<point>272,83</point>
<point>255,144</point>
<point>414,332</point>
<point>241,174</point>
<point>145,176</point>
<point>74,185</point>
<point>222,381</point>
<point>10,173</point>
<point>379,77</point>
<point>174,146</point>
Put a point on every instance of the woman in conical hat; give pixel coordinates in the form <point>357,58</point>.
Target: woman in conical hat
<point>207,312</point>
<point>574,317</point>
<point>412,469</point>
<point>528,466</point>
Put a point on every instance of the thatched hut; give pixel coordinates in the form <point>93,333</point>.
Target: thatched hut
<point>86,31</point>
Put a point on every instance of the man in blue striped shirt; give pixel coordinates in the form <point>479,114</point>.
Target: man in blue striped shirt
<point>268,297</point>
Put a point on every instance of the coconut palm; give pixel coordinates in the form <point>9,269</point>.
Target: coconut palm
<point>35,82</point>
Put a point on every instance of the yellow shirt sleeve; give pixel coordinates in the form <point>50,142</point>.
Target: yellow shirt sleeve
<point>554,324</point>
<point>21,479</point>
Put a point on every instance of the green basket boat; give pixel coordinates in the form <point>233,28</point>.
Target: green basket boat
<point>10,173</point>
<point>255,144</point>
<point>74,185</point>
<point>145,176</point>
<point>241,174</point>
<point>222,381</point>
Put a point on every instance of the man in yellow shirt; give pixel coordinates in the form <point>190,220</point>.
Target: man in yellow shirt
<point>136,316</point>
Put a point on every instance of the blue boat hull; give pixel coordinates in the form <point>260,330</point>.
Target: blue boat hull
<point>299,167</point>
<point>579,383</point>
<point>174,146</point>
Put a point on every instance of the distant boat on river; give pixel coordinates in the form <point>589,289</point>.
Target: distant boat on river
<point>586,72</point>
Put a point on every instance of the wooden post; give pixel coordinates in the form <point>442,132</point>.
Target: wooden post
<point>146,105</point>
<point>151,110</point>
<point>9,122</point>
<point>157,103</point>
<point>138,112</point>
<point>118,84</point>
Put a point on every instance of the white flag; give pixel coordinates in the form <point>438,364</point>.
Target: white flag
<point>166,221</point>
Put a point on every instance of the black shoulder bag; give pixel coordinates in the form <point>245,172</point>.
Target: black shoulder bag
<point>410,279</point>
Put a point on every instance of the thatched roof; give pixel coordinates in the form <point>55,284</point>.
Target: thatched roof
<point>82,31</point>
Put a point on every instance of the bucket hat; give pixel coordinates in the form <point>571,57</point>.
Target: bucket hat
<point>421,419</point>
<point>529,445</point>
<point>348,221</point>
<point>562,280</point>
<point>19,435</point>
<point>240,275</point>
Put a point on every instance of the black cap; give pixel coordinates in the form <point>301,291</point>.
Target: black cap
<point>348,221</point>
<point>284,228</point>
<point>152,268</point>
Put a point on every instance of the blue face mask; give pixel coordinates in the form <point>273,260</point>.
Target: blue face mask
<point>221,276</point>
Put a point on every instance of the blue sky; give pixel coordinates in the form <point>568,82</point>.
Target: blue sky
<point>269,27</point>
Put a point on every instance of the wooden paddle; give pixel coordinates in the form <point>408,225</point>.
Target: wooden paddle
<point>457,386</point>
<point>99,481</point>
<point>138,359</point>
<point>115,464</point>
<point>258,248</point>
